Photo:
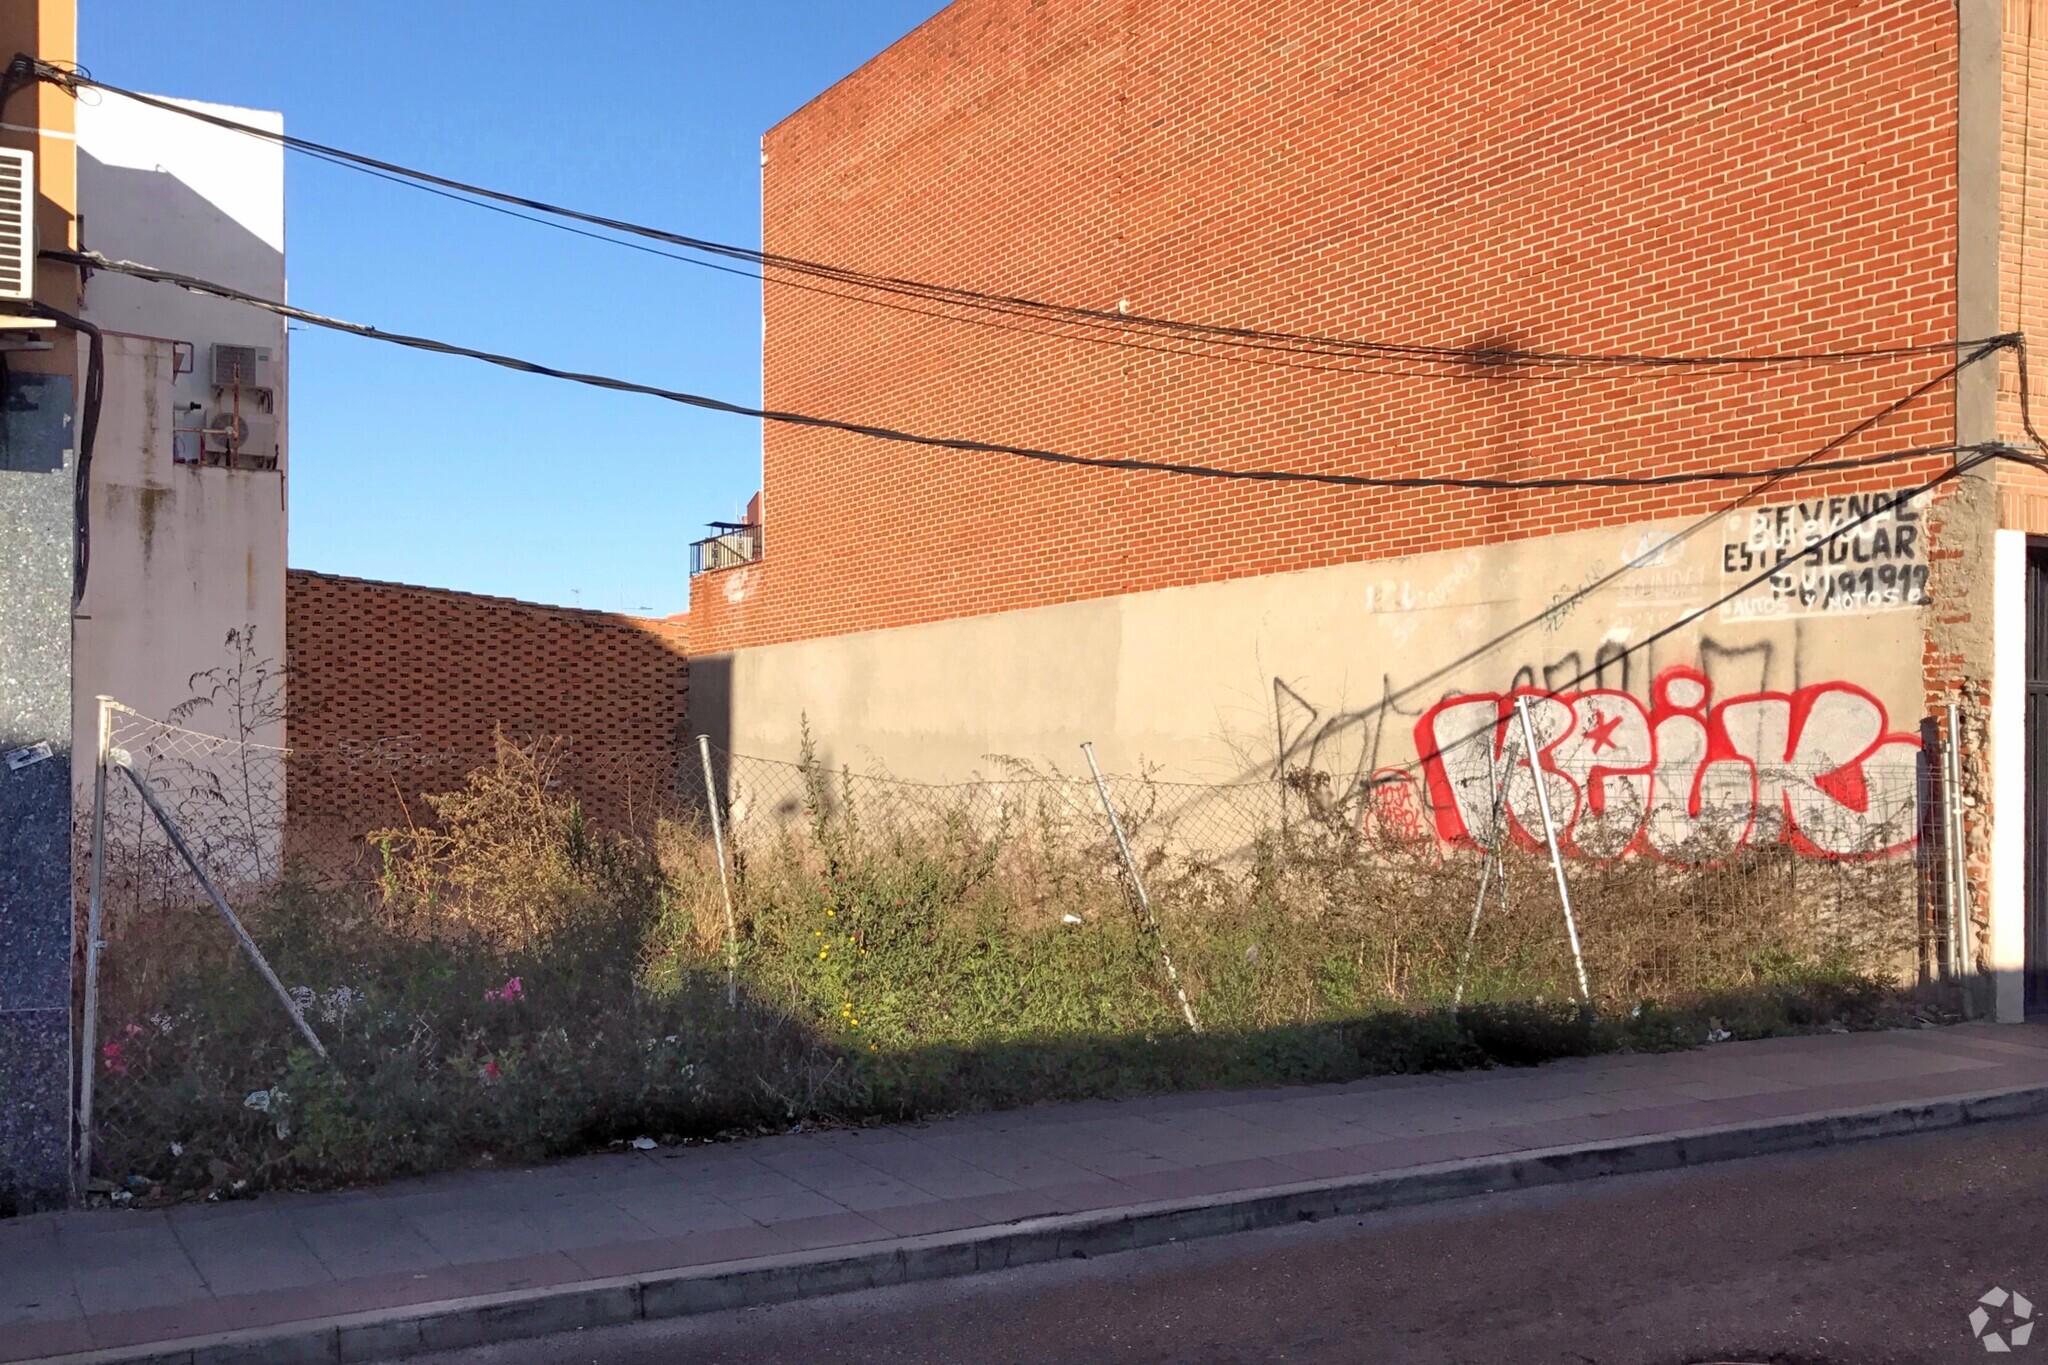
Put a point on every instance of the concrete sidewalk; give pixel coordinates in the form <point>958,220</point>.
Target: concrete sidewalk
<point>481,1255</point>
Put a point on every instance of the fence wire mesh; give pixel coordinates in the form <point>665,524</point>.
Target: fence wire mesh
<point>525,951</point>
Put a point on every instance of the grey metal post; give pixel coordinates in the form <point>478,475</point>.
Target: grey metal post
<point>1123,844</point>
<point>89,1034</point>
<point>255,955</point>
<point>1564,895</point>
<point>1498,781</point>
<point>1958,853</point>
<point>732,941</point>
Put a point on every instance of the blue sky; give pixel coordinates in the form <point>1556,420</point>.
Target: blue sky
<point>434,470</point>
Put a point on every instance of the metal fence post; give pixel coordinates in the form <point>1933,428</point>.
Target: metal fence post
<point>732,941</point>
<point>89,1023</point>
<point>1958,852</point>
<point>1930,869</point>
<point>249,948</point>
<point>1498,783</point>
<point>1564,894</point>
<point>1123,844</point>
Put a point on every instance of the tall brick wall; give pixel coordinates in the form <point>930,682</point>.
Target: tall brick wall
<point>2023,247</point>
<point>397,690</point>
<point>1705,175</point>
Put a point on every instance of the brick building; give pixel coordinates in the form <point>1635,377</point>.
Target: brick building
<point>1720,177</point>
<point>399,691</point>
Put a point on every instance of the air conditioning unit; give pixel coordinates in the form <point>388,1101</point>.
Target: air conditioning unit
<point>246,367</point>
<point>17,225</point>
<point>245,441</point>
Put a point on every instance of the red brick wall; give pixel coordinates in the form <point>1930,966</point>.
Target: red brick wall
<point>2023,245</point>
<point>1695,176</point>
<point>397,690</point>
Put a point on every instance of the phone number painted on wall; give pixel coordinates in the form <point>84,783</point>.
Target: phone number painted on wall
<point>1879,565</point>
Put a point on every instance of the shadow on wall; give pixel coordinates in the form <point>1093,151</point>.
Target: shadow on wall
<point>711,711</point>
<point>154,217</point>
<point>181,557</point>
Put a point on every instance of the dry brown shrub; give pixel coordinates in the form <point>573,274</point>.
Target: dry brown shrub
<point>505,857</point>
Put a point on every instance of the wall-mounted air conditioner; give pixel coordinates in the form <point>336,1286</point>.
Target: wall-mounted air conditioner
<point>244,441</point>
<point>246,367</point>
<point>17,225</point>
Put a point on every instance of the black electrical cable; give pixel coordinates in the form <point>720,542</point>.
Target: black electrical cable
<point>88,437</point>
<point>1495,357</point>
<point>14,78</point>
<point>1462,374</point>
<point>96,261</point>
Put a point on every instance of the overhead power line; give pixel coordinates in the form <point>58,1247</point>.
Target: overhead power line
<point>1114,341</point>
<point>25,68</point>
<point>96,261</point>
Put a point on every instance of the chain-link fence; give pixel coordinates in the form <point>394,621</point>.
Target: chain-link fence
<point>531,950</point>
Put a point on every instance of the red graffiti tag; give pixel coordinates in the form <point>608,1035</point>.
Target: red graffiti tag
<point>1688,778</point>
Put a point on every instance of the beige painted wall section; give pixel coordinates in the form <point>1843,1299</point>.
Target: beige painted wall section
<point>1336,670</point>
<point>1336,666</point>
<point>181,554</point>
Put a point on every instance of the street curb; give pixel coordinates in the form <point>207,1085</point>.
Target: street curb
<point>457,1323</point>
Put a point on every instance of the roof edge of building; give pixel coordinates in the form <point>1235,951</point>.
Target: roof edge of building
<point>913,31</point>
<point>663,625</point>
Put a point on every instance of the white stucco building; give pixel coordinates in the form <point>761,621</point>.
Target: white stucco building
<point>190,476</point>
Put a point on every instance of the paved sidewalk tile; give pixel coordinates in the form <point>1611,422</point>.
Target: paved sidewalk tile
<point>518,1272</point>
<point>367,1240</point>
<point>883,1192</point>
<point>35,1281</point>
<point>120,1265</point>
<point>830,1230</point>
<point>253,1254</point>
<point>675,1210</point>
<point>1255,1173</point>
<point>922,1220</point>
<point>139,1326</point>
<point>75,1281</point>
<point>31,1340</point>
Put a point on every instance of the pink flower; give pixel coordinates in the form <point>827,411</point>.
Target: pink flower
<point>491,1073</point>
<point>116,1065</point>
<point>511,992</point>
<point>135,1030</point>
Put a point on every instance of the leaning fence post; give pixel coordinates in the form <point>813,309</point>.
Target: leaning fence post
<point>732,942</point>
<point>1564,894</point>
<point>1957,850</point>
<point>1497,774</point>
<point>121,760</point>
<point>89,1024</point>
<point>1123,844</point>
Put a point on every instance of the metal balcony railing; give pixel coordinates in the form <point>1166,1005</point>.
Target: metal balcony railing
<point>734,544</point>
